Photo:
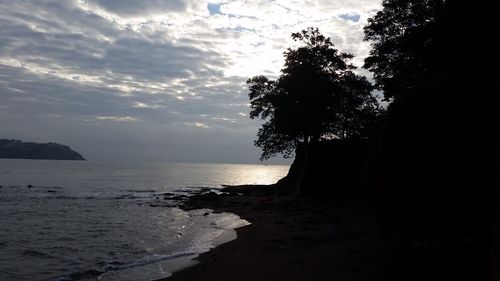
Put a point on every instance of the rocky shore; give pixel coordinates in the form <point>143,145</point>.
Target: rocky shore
<point>292,239</point>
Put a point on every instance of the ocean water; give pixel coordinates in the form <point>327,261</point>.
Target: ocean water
<point>84,220</point>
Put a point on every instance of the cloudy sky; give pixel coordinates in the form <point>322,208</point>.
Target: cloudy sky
<point>153,80</point>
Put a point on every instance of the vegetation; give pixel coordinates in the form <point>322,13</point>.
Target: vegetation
<point>439,150</point>
<point>17,149</point>
<point>434,160</point>
<point>316,97</point>
<point>443,116</point>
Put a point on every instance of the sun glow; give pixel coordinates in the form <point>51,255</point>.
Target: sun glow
<point>258,174</point>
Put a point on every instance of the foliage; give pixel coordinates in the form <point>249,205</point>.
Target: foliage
<point>403,53</point>
<point>438,62</point>
<point>317,96</point>
<point>16,149</point>
<point>420,48</point>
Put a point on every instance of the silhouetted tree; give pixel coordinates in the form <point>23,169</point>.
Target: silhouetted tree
<point>416,42</point>
<point>437,61</point>
<point>403,54</point>
<point>317,96</point>
<point>441,87</point>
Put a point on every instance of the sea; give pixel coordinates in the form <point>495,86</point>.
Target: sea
<point>86,220</point>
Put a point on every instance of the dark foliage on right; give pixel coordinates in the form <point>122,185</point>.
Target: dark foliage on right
<point>437,63</point>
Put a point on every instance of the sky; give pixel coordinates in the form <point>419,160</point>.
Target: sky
<point>153,80</point>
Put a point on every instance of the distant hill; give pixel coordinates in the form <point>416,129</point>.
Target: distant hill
<point>16,149</point>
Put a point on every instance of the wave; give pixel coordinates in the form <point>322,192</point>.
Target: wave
<point>150,259</point>
<point>32,186</point>
<point>35,253</point>
<point>115,266</point>
<point>79,275</point>
<point>141,190</point>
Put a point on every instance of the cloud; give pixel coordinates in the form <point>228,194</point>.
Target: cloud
<point>117,118</point>
<point>143,105</point>
<point>143,73</point>
<point>197,125</point>
<point>142,7</point>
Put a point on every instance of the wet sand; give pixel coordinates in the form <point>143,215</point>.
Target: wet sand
<point>291,239</point>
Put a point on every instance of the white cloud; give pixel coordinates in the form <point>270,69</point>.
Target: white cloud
<point>143,105</point>
<point>197,125</point>
<point>117,118</point>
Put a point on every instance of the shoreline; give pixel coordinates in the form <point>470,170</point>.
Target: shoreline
<point>290,239</point>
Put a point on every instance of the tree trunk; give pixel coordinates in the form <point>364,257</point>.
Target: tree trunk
<point>303,168</point>
<point>495,249</point>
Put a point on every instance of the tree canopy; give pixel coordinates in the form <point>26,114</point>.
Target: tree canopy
<point>437,61</point>
<point>403,53</point>
<point>419,48</point>
<point>317,96</point>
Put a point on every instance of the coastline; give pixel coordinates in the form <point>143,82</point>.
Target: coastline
<point>291,239</point>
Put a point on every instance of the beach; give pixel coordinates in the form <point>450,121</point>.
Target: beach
<point>292,239</point>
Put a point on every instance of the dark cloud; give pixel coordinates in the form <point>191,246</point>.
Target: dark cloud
<point>141,7</point>
<point>159,60</point>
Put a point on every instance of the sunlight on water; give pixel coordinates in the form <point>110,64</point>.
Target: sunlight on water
<point>89,175</point>
<point>247,174</point>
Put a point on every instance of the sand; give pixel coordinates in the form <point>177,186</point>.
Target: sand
<point>292,239</point>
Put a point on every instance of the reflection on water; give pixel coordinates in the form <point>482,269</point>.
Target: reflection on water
<point>125,175</point>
